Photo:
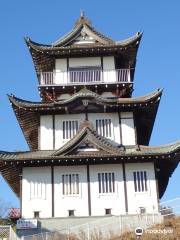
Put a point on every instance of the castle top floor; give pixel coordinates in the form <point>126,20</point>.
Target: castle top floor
<point>85,57</point>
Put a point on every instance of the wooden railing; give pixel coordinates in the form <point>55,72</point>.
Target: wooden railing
<point>85,76</point>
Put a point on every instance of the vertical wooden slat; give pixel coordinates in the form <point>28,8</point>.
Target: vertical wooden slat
<point>103,183</point>
<point>142,181</point>
<point>99,181</point>
<point>77,183</point>
<point>138,180</point>
<point>135,181</point>
<point>113,182</point>
<point>110,183</point>
<point>145,180</point>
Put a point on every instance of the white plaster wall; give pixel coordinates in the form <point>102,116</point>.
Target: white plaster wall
<point>30,204</point>
<point>59,126</point>
<point>46,132</point>
<point>141,199</point>
<point>64,203</point>
<point>109,73</point>
<point>127,128</point>
<point>84,62</point>
<point>115,123</point>
<point>61,75</point>
<point>114,201</point>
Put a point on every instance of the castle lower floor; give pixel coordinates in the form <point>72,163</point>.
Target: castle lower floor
<point>88,190</point>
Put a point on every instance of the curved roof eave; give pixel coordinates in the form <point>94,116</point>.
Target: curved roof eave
<point>130,40</point>
<point>85,93</point>
<point>123,43</point>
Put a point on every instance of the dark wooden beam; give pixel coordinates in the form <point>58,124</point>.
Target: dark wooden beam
<point>53,125</point>
<point>135,129</point>
<point>89,191</point>
<point>52,185</point>
<point>125,187</point>
<point>120,128</point>
<point>157,185</point>
<point>67,64</point>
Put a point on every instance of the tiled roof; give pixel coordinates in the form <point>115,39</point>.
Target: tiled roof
<point>85,93</point>
<point>126,151</point>
<point>144,108</point>
<point>83,25</point>
<point>165,157</point>
<point>43,54</point>
<point>89,137</point>
<point>62,50</point>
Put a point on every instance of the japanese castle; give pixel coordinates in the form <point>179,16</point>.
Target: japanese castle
<point>88,136</point>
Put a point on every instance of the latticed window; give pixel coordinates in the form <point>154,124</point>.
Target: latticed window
<point>70,129</point>
<point>37,190</point>
<point>140,181</point>
<point>104,127</point>
<point>70,184</point>
<point>106,182</point>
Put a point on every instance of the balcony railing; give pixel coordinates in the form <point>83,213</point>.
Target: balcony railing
<point>85,76</point>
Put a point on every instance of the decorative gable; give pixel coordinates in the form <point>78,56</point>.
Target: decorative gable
<point>88,141</point>
<point>83,33</point>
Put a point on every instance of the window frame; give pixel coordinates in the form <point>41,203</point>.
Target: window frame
<point>113,183</point>
<point>66,131</point>
<point>79,185</point>
<point>145,186</point>
<point>34,187</point>
<point>96,122</point>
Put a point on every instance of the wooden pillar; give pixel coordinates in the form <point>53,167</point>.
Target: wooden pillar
<point>102,68</point>
<point>157,185</point>
<point>67,64</point>
<point>102,63</point>
<point>52,186</point>
<point>120,128</point>
<point>135,128</point>
<point>125,187</point>
<point>86,114</point>
<point>89,191</point>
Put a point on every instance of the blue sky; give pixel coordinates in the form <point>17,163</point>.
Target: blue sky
<point>158,63</point>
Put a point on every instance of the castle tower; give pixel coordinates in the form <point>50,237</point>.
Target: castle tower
<point>88,136</point>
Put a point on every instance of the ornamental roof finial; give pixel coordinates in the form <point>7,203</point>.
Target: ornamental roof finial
<point>82,19</point>
<point>82,14</point>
